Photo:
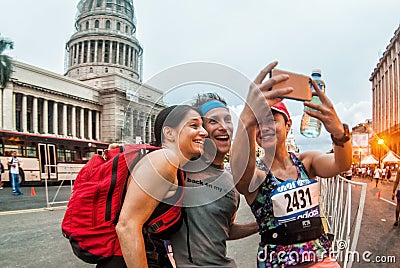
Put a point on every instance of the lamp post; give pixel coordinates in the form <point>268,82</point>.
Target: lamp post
<point>359,157</point>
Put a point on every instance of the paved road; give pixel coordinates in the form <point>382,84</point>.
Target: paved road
<point>378,235</point>
<point>31,236</point>
<point>33,239</point>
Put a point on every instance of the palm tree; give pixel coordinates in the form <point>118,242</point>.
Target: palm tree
<point>5,62</point>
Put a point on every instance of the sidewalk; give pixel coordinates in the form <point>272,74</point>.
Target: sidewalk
<point>379,240</point>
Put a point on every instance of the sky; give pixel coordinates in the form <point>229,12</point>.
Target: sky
<point>345,39</point>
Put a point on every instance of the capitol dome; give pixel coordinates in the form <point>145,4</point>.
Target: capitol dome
<point>104,42</point>
<point>120,7</point>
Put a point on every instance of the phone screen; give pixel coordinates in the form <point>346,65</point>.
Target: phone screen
<point>301,84</point>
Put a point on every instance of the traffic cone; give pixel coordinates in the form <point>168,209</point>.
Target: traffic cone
<point>379,194</point>
<point>33,193</point>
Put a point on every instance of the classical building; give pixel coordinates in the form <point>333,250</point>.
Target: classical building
<point>100,97</point>
<point>362,133</point>
<point>385,98</point>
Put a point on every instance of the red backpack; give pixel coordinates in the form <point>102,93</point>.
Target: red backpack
<point>96,200</point>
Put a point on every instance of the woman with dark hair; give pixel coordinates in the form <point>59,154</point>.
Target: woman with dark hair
<point>154,181</point>
<point>281,188</point>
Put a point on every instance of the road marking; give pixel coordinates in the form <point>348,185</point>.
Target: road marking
<point>22,211</point>
<point>390,202</point>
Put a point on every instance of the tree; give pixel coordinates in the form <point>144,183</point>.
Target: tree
<point>5,62</point>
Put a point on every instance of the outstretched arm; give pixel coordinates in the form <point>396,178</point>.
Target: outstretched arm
<point>328,165</point>
<point>259,98</point>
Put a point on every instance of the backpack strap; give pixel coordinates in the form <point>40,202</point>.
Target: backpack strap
<point>165,214</point>
<point>114,175</point>
<point>140,155</point>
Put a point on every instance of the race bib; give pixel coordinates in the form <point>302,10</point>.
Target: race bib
<point>295,199</point>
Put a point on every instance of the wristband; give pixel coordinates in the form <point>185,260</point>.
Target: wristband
<point>346,137</point>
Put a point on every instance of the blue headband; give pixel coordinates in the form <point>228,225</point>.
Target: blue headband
<point>209,105</point>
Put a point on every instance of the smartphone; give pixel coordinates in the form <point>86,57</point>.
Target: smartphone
<point>301,84</point>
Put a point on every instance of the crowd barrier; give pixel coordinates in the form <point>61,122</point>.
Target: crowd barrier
<point>343,210</point>
<point>65,173</point>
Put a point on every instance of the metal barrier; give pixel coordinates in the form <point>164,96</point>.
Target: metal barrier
<point>336,206</point>
<point>68,171</point>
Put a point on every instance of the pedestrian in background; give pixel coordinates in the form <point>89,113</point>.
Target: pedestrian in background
<point>377,175</point>
<point>349,174</point>
<point>1,174</point>
<point>388,174</point>
<point>396,191</point>
<point>14,163</point>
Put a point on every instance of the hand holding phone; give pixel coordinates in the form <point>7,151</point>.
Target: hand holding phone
<point>301,84</point>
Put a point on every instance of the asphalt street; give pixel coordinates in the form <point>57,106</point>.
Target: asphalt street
<point>31,236</point>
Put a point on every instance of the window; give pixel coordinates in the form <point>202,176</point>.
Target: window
<point>109,3</point>
<point>96,24</point>
<point>126,29</point>
<point>68,155</point>
<point>31,150</point>
<point>87,25</point>
<point>108,24</point>
<point>61,155</point>
<point>99,3</point>
<point>118,26</point>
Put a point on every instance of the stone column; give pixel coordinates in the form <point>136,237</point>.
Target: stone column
<point>90,125</point>
<point>129,56</point>
<point>96,43</point>
<point>103,50</point>
<point>73,116</point>
<point>89,52</point>
<point>35,115</point>
<point>45,116</point>
<point>24,113</point>
<point>123,54</point>
<point>143,116</point>
<point>132,129</point>
<point>71,56</point>
<point>8,109</point>
<point>117,48</point>
<point>55,118</point>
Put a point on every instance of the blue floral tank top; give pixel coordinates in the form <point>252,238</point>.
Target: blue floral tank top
<point>270,255</point>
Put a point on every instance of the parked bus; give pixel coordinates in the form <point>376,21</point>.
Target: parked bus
<point>45,156</point>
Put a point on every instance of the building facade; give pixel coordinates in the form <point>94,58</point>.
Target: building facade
<point>100,97</point>
<point>386,98</point>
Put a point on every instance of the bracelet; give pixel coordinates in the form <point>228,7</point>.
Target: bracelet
<point>346,137</point>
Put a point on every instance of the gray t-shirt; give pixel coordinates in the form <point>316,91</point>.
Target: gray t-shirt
<point>211,201</point>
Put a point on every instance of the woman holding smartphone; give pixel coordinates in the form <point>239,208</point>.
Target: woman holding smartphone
<point>281,188</point>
